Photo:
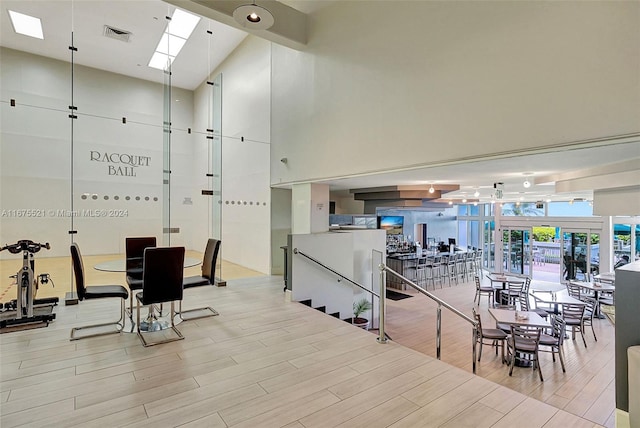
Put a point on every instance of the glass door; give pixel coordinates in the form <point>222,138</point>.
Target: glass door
<point>517,251</point>
<point>581,254</point>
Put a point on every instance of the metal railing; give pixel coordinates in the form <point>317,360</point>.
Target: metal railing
<point>382,338</point>
<point>296,251</point>
<point>383,269</point>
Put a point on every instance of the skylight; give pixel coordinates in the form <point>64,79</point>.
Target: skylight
<point>27,25</point>
<point>175,35</point>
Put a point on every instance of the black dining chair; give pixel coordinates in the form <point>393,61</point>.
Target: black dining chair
<point>208,277</point>
<point>161,282</point>
<point>134,253</point>
<point>95,292</point>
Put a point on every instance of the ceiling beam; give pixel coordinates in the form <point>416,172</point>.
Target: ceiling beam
<point>441,187</point>
<point>289,28</point>
<point>396,195</point>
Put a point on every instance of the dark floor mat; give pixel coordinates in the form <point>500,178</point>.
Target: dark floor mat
<point>394,295</point>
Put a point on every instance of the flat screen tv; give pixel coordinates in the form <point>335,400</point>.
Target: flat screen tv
<point>391,223</point>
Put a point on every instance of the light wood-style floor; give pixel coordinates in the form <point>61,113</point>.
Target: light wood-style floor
<point>60,270</point>
<point>263,362</point>
<point>587,388</point>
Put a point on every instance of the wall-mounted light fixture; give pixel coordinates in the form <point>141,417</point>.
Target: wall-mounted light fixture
<point>431,189</point>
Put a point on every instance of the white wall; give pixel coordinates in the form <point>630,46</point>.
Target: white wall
<point>36,156</point>
<point>246,212</point>
<point>451,80</point>
<point>346,252</point>
<point>280,227</point>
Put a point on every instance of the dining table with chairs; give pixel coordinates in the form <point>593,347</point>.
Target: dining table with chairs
<point>500,282</point>
<point>598,290</point>
<point>553,300</point>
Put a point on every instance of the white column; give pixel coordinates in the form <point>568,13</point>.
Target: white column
<point>499,245</point>
<point>309,208</point>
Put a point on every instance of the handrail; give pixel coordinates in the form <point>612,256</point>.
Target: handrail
<point>381,299</point>
<point>296,251</point>
<point>383,269</point>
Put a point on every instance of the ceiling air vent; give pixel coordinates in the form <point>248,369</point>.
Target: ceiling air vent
<point>115,33</point>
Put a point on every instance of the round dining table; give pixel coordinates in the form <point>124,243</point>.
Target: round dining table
<point>119,265</point>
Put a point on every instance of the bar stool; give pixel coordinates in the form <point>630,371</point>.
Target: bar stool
<point>421,275</point>
<point>478,261</point>
<point>429,272</point>
<point>471,264</point>
<point>452,272</point>
<point>461,267</point>
<point>436,271</point>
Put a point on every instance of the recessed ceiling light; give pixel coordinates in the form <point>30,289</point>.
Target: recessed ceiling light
<point>476,193</point>
<point>253,16</point>
<point>27,25</point>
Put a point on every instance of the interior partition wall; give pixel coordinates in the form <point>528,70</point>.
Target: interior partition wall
<point>93,156</point>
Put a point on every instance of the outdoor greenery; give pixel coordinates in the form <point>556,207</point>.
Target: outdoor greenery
<point>521,209</point>
<point>544,234</point>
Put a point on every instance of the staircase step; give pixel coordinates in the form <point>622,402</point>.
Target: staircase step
<point>349,320</point>
<point>335,314</point>
<point>321,309</point>
<point>306,302</point>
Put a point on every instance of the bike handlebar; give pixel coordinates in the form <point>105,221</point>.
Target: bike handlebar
<point>25,245</point>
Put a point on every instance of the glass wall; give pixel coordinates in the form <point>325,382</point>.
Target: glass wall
<point>626,243</point>
<point>94,156</point>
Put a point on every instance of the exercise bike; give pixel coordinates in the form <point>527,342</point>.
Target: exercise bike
<point>21,310</point>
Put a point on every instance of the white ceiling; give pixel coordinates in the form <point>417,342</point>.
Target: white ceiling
<point>203,53</point>
<point>144,18</point>
<point>512,171</point>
